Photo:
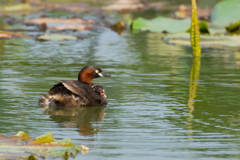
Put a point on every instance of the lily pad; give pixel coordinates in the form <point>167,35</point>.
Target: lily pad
<point>63,24</point>
<point>234,28</point>
<point>65,142</point>
<point>23,135</point>
<point>42,149</point>
<point>6,36</point>
<point>211,42</point>
<point>46,138</point>
<point>9,35</point>
<point>125,6</point>
<point>69,7</point>
<point>56,37</point>
<point>225,12</point>
<point>18,7</point>
<point>161,24</point>
<point>203,27</point>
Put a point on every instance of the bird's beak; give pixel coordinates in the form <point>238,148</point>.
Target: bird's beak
<point>103,74</point>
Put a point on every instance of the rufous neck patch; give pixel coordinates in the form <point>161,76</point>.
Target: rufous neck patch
<point>86,76</point>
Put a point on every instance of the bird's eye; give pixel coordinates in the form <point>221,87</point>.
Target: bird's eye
<point>96,71</point>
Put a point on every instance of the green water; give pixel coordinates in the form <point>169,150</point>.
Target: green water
<point>149,114</point>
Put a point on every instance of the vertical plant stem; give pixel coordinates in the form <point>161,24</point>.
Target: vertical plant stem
<point>194,77</point>
<point>195,33</point>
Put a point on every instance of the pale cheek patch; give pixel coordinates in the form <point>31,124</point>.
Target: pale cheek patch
<point>100,74</point>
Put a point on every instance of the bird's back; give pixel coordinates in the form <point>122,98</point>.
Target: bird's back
<point>72,93</point>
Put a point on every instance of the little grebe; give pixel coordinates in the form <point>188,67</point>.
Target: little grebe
<point>81,92</point>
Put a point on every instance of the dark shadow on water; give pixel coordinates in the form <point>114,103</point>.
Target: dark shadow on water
<point>81,118</point>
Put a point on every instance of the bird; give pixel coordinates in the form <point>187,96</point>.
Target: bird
<point>80,92</point>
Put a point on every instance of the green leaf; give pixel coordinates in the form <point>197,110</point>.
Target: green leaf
<point>195,33</point>
<point>61,151</point>
<point>234,28</point>
<point>32,157</point>
<point>65,142</point>
<point>5,34</point>
<point>23,135</point>
<point>46,138</point>
<point>207,41</point>
<point>18,7</point>
<point>43,147</point>
<point>225,12</point>
<point>56,37</point>
<point>203,27</point>
<point>161,24</point>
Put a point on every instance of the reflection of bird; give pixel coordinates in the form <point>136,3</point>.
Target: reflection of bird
<point>81,92</point>
<point>81,118</point>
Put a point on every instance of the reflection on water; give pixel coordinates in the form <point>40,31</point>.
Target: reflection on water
<point>153,111</point>
<point>82,118</point>
<point>194,77</point>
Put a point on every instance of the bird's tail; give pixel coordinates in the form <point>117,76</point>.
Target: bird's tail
<point>52,101</point>
<point>59,100</point>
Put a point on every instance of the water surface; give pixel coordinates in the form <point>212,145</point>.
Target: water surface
<point>148,115</point>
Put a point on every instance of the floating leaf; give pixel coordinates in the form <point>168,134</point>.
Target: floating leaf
<point>195,32</point>
<point>74,7</point>
<point>234,28</point>
<point>65,142</point>
<point>125,6</point>
<point>23,135</point>
<point>5,34</point>
<point>18,7</point>
<point>46,138</point>
<point>56,37</point>
<point>161,24</point>
<point>212,42</point>
<point>203,27</point>
<point>135,5</point>
<point>225,12</point>
<point>41,148</point>
<point>63,24</point>
<point>84,148</point>
<point>61,151</point>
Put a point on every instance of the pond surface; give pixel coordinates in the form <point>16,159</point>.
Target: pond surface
<point>148,114</point>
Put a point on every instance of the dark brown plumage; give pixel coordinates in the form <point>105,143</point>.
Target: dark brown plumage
<point>81,92</point>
